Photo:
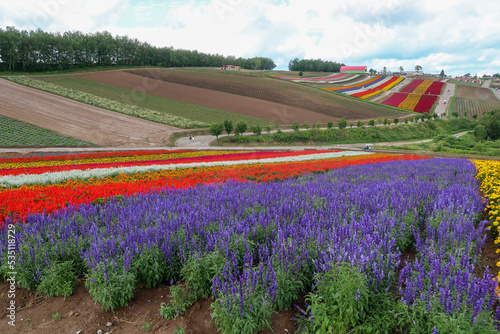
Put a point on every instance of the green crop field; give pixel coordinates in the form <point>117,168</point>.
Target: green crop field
<point>14,133</point>
<point>471,106</point>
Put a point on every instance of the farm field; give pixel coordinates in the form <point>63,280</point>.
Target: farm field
<point>78,120</point>
<point>14,133</point>
<point>274,90</point>
<point>472,106</point>
<point>475,93</point>
<point>141,96</point>
<point>243,235</point>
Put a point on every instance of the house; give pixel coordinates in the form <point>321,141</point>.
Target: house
<point>353,69</point>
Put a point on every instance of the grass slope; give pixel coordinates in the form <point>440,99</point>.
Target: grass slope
<point>14,133</point>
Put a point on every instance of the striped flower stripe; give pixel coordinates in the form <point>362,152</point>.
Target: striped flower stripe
<point>116,159</point>
<point>189,158</point>
<point>383,87</point>
<point>359,84</point>
<point>93,155</point>
<point>47,178</point>
<point>19,202</point>
<point>373,86</point>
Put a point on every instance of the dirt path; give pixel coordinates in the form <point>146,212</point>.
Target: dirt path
<point>78,120</point>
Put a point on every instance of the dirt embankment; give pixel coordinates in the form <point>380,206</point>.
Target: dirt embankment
<point>79,120</point>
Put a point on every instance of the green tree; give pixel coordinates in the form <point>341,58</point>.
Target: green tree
<point>442,75</point>
<point>228,126</point>
<point>341,123</point>
<point>329,125</point>
<point>301,73</point>
<point>257,130</point>
<point>295,126</point>
<point>454,114</point>
<point>216,129</point>
<point>371,122</point>
<point>306,125</point>
<point>240,128</point>
<point>396,120</point>
<point>360,124</point>
<point>401,69</point>
<point>480,132</point>
<point>418,68</point>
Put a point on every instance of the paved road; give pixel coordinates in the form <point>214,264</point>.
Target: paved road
<point>486,84</point>
<point>449,92</point>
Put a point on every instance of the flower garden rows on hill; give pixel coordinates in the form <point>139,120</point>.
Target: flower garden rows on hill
<point>255,230</point>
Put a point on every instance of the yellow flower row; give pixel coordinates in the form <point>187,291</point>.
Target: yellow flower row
<point>489,174</point>
<point>410,102</point>
<point>422,88</point>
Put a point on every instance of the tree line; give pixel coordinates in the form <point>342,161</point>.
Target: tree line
<point>36,51</point>
<point>314,65</point>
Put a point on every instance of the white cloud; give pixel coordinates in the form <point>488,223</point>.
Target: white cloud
<point>438,34</point>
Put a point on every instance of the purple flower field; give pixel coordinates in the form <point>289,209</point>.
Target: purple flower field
<point>256,248</point>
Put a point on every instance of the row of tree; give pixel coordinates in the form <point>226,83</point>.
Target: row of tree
<point>34,51</point>
<point>314,65</point>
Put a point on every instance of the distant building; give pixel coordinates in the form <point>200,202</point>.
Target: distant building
<point>353,69</point>
<point>231,67</point>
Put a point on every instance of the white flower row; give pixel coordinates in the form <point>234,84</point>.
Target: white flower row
<point>101,102</point>
<point>10,181</point>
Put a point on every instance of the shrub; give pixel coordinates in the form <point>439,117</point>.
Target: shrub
<point>59,280</point>
<point>360,124</point>
<point>329,125</point>
<point>257,130</point>
<point>342,123</point>
<point>371,122</point>
<point>295,126</point>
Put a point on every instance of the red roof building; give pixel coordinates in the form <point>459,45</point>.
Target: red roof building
<point>353,69</point>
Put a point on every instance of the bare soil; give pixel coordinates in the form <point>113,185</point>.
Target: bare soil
<point>476,93</point>
<point>79,312</point>
<point>244,105</point>
<point>79,120</point>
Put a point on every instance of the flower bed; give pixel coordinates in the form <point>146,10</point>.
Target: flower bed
<point>436,88</point>
<point>410,88</point>
<point>49,188</point>
<point>395,99</point>
<point>488,172</point>
<point>425,103</point>
<point>256,247</point>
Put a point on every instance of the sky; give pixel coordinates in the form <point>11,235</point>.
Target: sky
<point>459,36</point>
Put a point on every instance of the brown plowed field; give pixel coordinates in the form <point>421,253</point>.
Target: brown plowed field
<point>209,98</point>
<point>78,120</point>
<point>475,93</point>
<point>278,91</point>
